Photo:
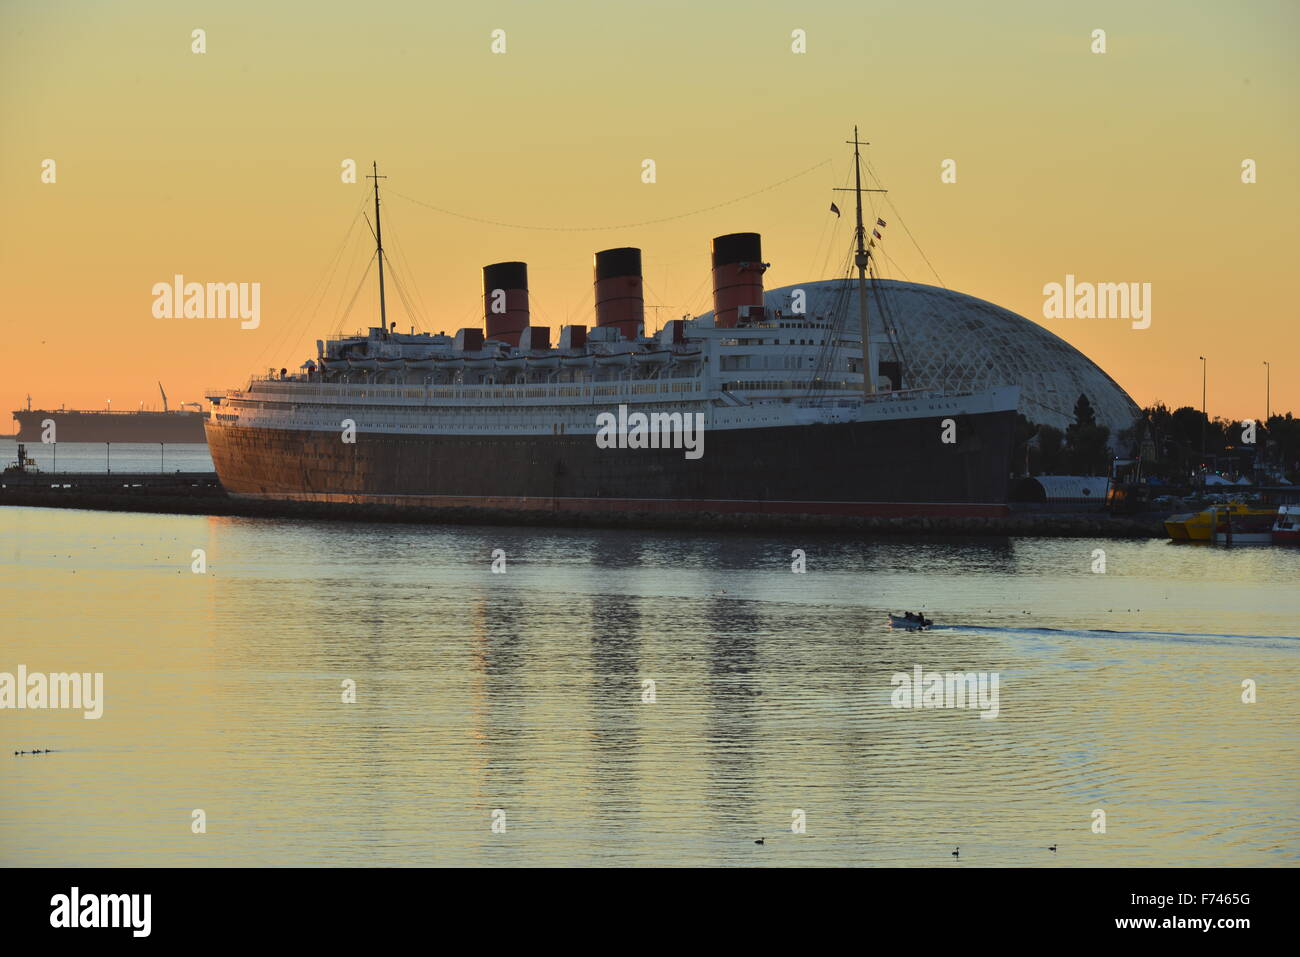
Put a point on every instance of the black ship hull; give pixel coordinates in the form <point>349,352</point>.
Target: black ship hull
<point>858,468</point>
<point>92,426</point>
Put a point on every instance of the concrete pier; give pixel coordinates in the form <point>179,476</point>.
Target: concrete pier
<point>82,482</point>
<point>200,493</point>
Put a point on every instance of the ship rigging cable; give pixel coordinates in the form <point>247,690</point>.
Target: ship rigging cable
<point>833,227</point>
<point>354,258</point>
<point>302,314</point>
<point>420,317</point>
<point>360,286</point>
<point>890,326</point>
<point>902,222</point>
<point>401,294</point>
<point>587,229</point>
<point>828,356</point>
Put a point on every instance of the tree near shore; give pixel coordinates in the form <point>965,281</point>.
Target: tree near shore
<point>1172,440</point>
<point>1087,444</point>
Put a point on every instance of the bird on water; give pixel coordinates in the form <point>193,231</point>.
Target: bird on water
<point>956,852</point>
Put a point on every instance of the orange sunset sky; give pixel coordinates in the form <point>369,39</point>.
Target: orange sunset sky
<point>224,166</point>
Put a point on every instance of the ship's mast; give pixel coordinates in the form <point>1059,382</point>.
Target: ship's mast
<point>379,246</point>
<point>869,363</point>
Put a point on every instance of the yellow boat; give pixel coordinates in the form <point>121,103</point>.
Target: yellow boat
<point>1200,526</point>
<point>1176,526</point>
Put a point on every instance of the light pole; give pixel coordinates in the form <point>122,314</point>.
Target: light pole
<point>1268,398</point>
<point>1204,416</point>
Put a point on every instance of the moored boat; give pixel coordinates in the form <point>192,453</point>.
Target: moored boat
<point>1176,526</point>
<point>1253,526</point>
<point>24,464</point>
<point>745,409</point>
<point>1203,526</point>
<point>1286,527</point>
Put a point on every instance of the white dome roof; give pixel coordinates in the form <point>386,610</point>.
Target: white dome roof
<point>953,341</point>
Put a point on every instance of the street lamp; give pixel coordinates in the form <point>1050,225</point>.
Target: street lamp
<point>1268,404</point>
<point>1204,416</point>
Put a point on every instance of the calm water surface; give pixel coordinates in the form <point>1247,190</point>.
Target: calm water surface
<point>523,692</point>
<point>114,457</point>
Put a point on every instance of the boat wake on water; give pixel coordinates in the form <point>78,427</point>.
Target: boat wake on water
<point>1189,636</point>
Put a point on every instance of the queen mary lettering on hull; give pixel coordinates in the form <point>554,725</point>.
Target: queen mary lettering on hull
<point>497,417</point>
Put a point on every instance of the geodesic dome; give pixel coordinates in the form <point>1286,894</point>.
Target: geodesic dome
<point>949,340</point>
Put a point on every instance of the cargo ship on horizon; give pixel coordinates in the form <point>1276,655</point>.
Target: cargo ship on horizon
<point>496,417</point>
<point>171,426</point>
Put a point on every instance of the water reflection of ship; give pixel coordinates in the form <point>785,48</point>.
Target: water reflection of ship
<point>618,676</point>
<point>498,715</point>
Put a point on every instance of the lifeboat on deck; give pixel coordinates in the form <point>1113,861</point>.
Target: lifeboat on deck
<point>585,361</point>
<point>658,357</point>
<point>363,363</point>
<point>620,360</point>
<point>543,363</point>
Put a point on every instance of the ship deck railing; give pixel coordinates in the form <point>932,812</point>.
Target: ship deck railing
<point>532,393</point>
<point>675,388</point>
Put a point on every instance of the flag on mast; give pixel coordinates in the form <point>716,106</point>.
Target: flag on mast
<point>835,209</point>
<point>881,222</point>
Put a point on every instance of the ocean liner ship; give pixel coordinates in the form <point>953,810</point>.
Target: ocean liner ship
<point>499,417</point>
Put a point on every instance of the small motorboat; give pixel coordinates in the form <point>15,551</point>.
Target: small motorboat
<point>909,622</point>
